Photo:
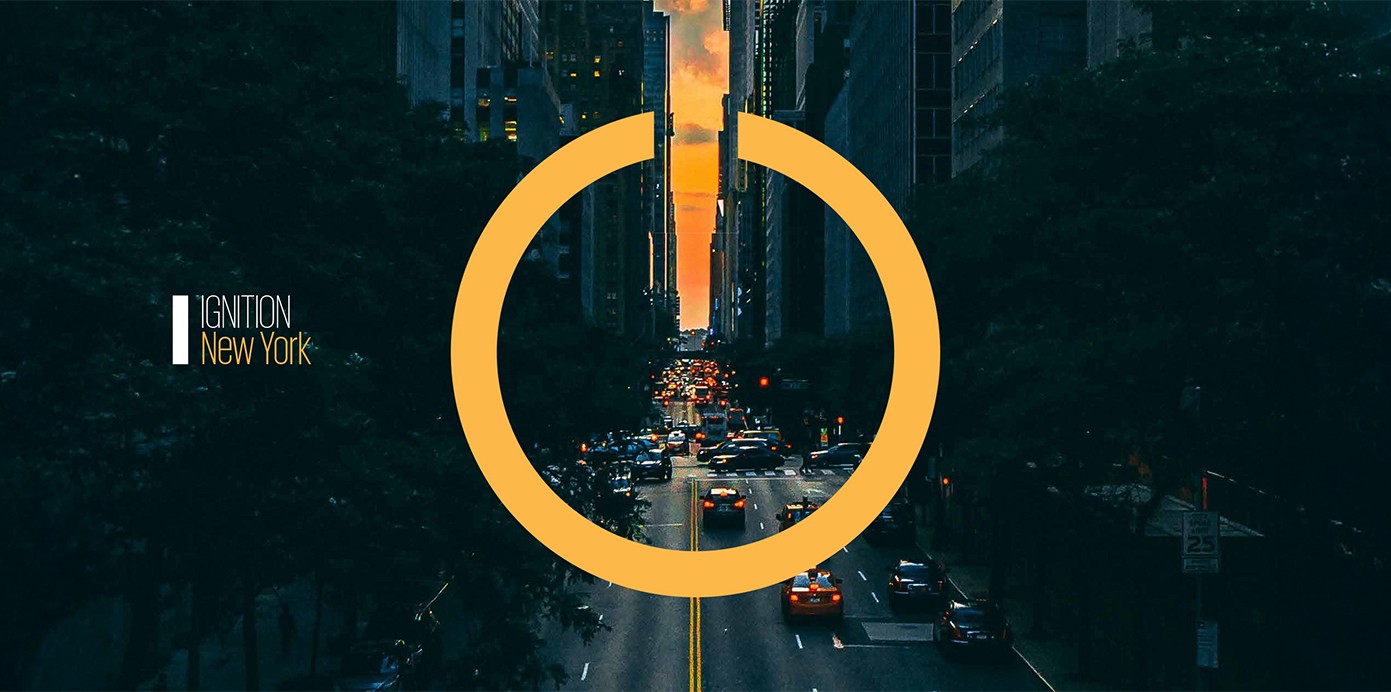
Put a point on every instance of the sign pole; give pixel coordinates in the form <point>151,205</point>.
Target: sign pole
<point>1197,627</point>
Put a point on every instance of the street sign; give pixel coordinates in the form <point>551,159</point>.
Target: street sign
<point>1207,644</point>
<point>1202,532</point>
<point>796,385</point>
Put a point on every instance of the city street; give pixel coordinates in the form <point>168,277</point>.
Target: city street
<point>741,642</point>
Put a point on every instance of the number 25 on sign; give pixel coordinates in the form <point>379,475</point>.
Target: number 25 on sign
<point>1201,544</point>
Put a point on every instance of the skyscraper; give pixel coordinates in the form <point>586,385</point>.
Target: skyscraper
<point>999,44</point>
<point>656,99</point>
<point>739,237</point>
<point>594,52</point>
<point>891,120</point>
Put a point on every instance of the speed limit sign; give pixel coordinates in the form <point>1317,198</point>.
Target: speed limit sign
<point>1202,553</point>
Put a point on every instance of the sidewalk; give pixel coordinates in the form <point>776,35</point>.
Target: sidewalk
<point>1053,659</point>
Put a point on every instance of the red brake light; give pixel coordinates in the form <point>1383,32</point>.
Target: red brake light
<point>739,504</point>
<point>835,597</point>
<point>793,598</point>
<point>708,504</point>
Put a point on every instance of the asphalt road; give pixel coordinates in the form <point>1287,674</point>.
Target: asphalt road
<point>741,642</point>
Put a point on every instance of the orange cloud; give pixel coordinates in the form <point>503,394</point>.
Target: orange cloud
<point>699,79</point>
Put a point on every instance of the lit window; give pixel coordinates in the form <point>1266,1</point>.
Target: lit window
<point>572,74</point>
<point>596,60</point>
<point>596,73</point>
<point>511,136</point>
<point>510,99</point>
<point>484,102</point>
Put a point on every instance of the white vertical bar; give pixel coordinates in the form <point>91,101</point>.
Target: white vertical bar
<point>180,330</point>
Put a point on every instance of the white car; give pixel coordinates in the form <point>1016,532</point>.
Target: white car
<point>677,441</point>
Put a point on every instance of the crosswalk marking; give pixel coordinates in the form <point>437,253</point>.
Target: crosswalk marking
<point>779,473</point>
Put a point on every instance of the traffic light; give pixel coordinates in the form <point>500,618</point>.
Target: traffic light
<point>763,382</point>
<point>840,420</point>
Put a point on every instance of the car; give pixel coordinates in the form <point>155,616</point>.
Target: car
<point>772,435</point>
<point>977,625</point>
<point>707,453</point>
<point>715,426</point>
<point>377,666</point>
<point>813,593</point>
<point>746,459</point>
<point>622,487</point>
<point>917,584</point>
<point>401,648</point>
<point>722,505</point>
<point>677,443</point>
<point>652,464</point>
<point>844,454</point>
<point>794,512</point>
<point>895,525</point>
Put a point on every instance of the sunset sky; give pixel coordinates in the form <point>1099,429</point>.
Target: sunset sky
<point>699,77</point>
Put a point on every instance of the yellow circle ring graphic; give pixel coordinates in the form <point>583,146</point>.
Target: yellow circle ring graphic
<point>684,573</point>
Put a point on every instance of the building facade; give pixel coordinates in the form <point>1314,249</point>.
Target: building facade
<point>595,53</point>
<point>1001,44</point>
<point>891,120</point>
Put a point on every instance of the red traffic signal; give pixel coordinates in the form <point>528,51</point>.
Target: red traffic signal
<point>840,420</point>
<point>763,382</point>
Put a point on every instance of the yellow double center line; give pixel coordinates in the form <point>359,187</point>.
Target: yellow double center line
<point>696,663</point>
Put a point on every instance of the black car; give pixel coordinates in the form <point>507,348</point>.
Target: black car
<point>652,464</point>
<point>748,459</point>
<point>916,584</point>
<point>894,525</point>
<point>378,666</point>
<point>401,648</point>
<point>728,446</point>
<point>722,505</point>
<point>975,626</point>
<point>843,454</point>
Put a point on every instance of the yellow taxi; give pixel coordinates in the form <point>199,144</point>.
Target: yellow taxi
<point>813,593</point>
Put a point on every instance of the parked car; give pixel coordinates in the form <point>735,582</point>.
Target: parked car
<point>977,626</point>
<point>917,584</point>
<point>895,525</point>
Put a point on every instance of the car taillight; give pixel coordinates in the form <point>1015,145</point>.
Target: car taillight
<point>793,598</point>
<point>835,597</point>
<point>955,631</point>
<point>739,504</point>
<point>708,504</point>
<point>700,436</point>
<point>941,585</point>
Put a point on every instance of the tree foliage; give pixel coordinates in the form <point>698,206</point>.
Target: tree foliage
<point>159,149</point>
<point>1210,213</point>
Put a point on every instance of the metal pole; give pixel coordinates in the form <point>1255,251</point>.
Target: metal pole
<point>1197,665</point>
